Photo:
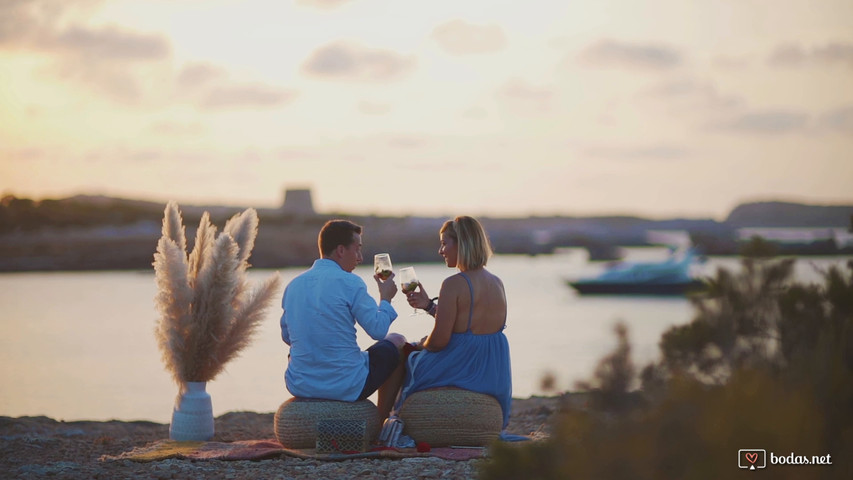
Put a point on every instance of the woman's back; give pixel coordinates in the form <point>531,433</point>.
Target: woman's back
<point>479,361</point>
<point>467,347</point>
<point>489,302</point>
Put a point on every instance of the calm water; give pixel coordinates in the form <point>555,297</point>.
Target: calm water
<point>81,346</point>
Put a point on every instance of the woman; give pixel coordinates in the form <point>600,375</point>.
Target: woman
<point>466,348</point>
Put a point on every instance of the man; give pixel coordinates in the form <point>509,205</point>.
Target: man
<point>321,307</point>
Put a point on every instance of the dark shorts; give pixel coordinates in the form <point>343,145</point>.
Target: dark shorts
<point>384,358</point>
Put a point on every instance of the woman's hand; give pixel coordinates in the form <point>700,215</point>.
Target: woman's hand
<point>418,298</point>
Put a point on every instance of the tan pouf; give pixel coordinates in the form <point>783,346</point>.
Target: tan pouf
<point>451,416</point>
<point>297,419</point>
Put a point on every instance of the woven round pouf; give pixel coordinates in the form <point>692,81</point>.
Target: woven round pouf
<point>451,416</point>
<point>296,419</point>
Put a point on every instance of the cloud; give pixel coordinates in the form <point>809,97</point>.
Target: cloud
<point>613,53</point>
<point>109,44</point>
<point>652,152</point>
<point>768,122</point>
<point>24,22</point>
<point>105,79</point>
<point>104,59</point>
<point>403,141</point>
<point>795,55</point>
<point>208,86</point>
<point>521,95</point>
<point>692,94</point>
<point>349,61</point>
<point>733,63</point>
<point>199,74</point>
<point>373,108</point>
<point>177,129</point>
<point>458,37</point>
<point>123,155</point>
<point>838,120</point>
<point>41,25</point>
<point>290,154</point>
<point>17,21</point>
<point>146,156</point>
<point>239,96</point>
<point>475,112</point>
<point>324,4</point>
<point>25,154</point>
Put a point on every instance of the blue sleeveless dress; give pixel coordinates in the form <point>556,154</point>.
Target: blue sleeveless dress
<point>475,362</point>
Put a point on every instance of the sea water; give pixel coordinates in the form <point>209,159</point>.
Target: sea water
<point>80,345</point>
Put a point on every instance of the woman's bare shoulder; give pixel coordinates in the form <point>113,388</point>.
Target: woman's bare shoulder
<point>454,284</point>
<point>494,278</point>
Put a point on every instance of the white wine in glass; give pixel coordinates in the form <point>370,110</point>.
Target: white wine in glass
<point>382,265</point>
<point>409,282</point>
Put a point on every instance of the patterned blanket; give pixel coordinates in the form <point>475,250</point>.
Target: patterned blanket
<point>264,449</point>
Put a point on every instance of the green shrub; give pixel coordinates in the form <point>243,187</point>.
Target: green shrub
<point>765,363</point>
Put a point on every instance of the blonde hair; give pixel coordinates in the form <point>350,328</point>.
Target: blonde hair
<point>474,246</point>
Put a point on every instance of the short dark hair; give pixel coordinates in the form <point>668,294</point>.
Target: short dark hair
<point>334,233</point>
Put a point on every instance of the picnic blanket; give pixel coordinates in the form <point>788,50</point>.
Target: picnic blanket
<point>264,449</point>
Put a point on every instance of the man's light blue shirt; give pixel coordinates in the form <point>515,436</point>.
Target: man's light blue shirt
<point>321,307</point>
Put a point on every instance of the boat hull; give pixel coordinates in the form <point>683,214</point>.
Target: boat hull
<point>616,288</point>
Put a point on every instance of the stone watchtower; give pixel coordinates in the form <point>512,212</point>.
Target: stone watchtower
<point>297,201</point>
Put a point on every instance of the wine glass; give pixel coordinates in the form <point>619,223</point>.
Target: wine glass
<point>382,265</point>
<point>409,282</point>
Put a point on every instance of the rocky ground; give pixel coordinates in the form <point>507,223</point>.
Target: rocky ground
<point>40,447</point>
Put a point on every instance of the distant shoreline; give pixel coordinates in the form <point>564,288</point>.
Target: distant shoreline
<point>38,267</point>
<point>81,234</point>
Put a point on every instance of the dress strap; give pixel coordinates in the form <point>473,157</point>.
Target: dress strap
<point>471,289</point>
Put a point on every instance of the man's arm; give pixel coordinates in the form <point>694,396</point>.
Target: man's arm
<point>375,320</point>
<point>285,334</point>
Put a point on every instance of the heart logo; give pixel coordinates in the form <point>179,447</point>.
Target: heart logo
<point>751,457</point>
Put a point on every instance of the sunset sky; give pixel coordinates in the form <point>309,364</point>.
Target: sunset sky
<point>655,107</point>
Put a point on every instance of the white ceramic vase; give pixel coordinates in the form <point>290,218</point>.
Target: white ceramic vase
<point>192,418</point>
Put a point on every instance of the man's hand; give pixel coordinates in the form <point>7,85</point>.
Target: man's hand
<point>387,288</point>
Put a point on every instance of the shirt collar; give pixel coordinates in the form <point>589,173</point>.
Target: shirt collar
<point>326,263</point>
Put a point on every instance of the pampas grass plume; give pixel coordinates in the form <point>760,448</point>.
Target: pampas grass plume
<point>204,238</point>
<point>246,322</point>
<point>173,226</point>
<point>243,228</point>
<point>173,302</point>
<point>207,314</point>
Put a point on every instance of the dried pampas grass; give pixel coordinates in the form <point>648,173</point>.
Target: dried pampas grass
<point>208,312</point>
